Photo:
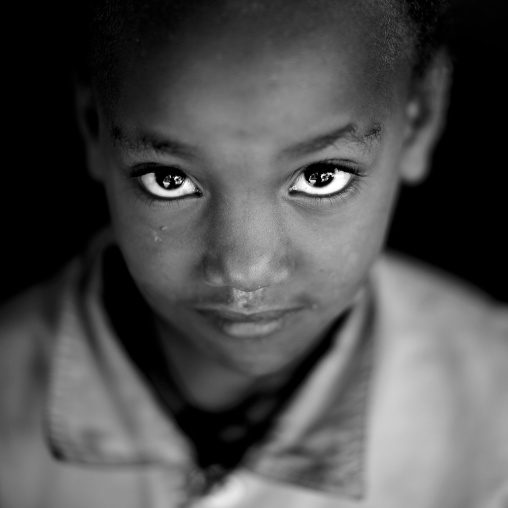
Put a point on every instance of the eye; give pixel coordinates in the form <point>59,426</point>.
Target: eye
<point>168,183</point>
<point>322,179</point>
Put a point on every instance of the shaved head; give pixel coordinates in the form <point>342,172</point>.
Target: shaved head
<point>127,30</point>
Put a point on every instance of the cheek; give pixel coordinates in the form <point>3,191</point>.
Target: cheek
<point>341,249</point>
<point>159,246</point>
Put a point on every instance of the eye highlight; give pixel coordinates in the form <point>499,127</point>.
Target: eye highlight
<point>323,179</point>
<point>165,182</point>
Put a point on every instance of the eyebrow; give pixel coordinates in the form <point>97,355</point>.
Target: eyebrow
<point>349,133</point>
<point>148,142</point>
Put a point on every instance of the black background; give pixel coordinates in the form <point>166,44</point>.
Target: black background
<point>456,220</point>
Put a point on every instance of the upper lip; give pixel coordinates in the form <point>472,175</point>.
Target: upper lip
<point>229,314</point>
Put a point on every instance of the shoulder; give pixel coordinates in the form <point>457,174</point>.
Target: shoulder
<point>444,350</point>
<point>423,309</point>
<point>28,328</point>
<point>415,296</point>
<point>426,310</point>
<point>29,323</point>
<point>26,333</point>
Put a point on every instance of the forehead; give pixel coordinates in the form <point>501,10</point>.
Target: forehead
<point>254,29</point>
<point>273,19</point>
<point>256,73</point>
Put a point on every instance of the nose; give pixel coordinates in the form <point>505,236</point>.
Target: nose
<point>247,248</point>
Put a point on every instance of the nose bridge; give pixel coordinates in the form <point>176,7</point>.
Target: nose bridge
<point>247,247</point>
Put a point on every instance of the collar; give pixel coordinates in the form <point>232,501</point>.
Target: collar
<point>100,410</point>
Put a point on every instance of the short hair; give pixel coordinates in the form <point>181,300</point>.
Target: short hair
<point>432,21</point>
<point>417,27</point>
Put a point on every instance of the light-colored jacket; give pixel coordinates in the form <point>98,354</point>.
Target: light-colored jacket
<point>409,409</point>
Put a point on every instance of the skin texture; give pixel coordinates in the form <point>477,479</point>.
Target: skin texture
<point>241,100</point>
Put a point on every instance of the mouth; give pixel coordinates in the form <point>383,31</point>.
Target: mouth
<point>249,324</point>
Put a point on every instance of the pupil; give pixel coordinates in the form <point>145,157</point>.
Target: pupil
<point>169,181</point>
<point>320,178</point>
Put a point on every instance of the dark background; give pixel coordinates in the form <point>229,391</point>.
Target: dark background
<point>456,220</point>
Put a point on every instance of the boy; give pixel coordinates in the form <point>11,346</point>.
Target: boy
<point>236,338</point>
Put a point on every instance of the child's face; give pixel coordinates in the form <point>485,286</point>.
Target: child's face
<point>240,252</point>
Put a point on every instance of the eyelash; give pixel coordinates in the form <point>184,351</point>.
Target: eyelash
<point>138,171</point>
<point>351,189</point>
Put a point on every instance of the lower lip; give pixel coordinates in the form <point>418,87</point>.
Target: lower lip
<point>250,328</point>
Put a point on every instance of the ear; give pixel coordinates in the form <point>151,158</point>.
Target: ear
<point>89,124</point>
<point>425,118</point>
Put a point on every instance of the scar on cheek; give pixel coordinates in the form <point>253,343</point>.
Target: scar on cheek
<point>245,299</point>
<point>156,237</point>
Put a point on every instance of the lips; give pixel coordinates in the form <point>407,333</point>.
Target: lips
<point>248,324</point>
<point>235,315</point>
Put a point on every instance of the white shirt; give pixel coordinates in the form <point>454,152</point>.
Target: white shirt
<point>409,408</point>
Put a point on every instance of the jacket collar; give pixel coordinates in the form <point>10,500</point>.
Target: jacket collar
<point>101,412</point>
<point>320,441</point>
